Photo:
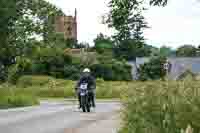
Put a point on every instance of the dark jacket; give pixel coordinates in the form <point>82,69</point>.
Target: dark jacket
<point>87,78</point>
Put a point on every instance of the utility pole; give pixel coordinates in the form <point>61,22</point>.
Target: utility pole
<point>167,67</point>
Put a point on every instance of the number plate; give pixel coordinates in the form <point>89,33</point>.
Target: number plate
<point>83,86</point>
<point>82,94</point>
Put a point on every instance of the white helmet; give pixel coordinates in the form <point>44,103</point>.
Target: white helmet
<point>86,70</point>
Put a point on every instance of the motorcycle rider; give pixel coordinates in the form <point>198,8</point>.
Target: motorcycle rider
<point>90,80</point>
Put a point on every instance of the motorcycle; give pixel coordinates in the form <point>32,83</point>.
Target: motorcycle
<point>85,99</point>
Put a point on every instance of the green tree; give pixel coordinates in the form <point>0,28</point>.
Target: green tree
<point>103,43</point>
<point>158,2</point>
<point>126,18</point>
<point>166,51</point>
<point>81,45</point>
<point>72,43</point>
<point>21,21</point>
<point>130,49</point>
<point>7,52</point>
<point>36,17</point>
<point>187,51</point>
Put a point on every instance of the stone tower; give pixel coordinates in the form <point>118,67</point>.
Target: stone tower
<point>67,25</point>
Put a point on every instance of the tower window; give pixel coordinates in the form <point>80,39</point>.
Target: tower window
<point>69,29</point>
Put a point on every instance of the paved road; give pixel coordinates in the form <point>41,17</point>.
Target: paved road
<point>60,118</point>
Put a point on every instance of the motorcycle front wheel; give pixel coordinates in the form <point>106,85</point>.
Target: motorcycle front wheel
<point>83,103</point>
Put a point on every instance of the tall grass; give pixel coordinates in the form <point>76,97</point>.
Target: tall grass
<point>44,86</point>
<point>161,107</point>
<point>11,96</point>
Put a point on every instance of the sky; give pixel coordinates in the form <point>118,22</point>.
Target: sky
<point>176,24</point>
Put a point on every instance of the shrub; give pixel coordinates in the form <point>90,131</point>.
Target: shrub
<point>3,73</point>
<point>109,89</point>
<point>153,70</point>
<point>116,71</point>
<point>18,101</point>
<point>14,97</point>
<point>130,49</point>
<point>13,74</point>
<point>67,59</point>
<point>23,65</point>
<point>103,43</point>
<point>71,72</point>
<point>26,81</point>
<point>103,47</point>
<point>188,74</point>
<point>43,86</point>
<point>38,68</point>
<point>51,61</point>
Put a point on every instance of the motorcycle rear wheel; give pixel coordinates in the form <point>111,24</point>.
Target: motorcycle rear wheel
<point>88,107</point>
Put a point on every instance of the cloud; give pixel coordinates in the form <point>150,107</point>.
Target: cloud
<point>174,25</point>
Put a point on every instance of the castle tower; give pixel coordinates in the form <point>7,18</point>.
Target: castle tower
<point>67,25</point>
<point>75,25</point>
<point>75,15</point>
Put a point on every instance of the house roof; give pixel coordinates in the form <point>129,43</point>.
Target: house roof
<point>179,65</point>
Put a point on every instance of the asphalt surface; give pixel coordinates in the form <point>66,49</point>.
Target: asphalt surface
<point>60,117</point>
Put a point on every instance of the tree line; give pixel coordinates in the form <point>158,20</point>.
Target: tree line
<point>28,39</point>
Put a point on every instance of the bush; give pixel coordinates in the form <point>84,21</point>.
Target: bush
<point>50,61</point>
<point>116,71</point>
<point>71,72</point>
<point>109,89</point>
<point>27,81</point>
<point>43,86</point>
<point>153,70</point>
<point>57,88</point>
<point>161,107</point>
<point>3,73</point>
<point>187,75</point>
<point>13,97</point>
<point>13,74</point>
<point>38,68</point>
<point>22,66</point>
<point>130,49</point>
<point>103,47</point>
<point>17,101</point>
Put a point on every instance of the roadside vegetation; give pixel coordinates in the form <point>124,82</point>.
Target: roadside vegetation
<point>49,87</point>
<point>152,106</point>
<point>11,96</point>
<point>161,107</point>
<point>30,89</point>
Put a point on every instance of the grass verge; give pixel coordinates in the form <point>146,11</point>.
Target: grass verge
<point>29,89</point>
<point>161,107</point>
<point>11,96</point>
